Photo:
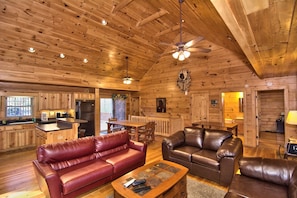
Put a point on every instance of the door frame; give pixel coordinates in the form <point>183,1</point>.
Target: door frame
<point>256,116</point>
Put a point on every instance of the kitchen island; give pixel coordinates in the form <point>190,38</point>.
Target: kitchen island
<point>65,129</point>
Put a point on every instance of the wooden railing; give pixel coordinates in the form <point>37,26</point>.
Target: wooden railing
<point>164,126</point>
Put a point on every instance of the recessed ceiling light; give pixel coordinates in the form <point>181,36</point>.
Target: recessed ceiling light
<point>31,50</point>
<point>85,60</point>
<point>104,22</point>
<point>62,55</point>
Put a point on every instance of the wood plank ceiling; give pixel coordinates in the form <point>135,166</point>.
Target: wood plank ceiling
<point>264,31</point>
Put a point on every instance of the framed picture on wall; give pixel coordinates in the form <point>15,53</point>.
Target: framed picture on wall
<point>161,105</point>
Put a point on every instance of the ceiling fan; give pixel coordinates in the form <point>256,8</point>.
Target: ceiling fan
<point>182,50</point>
<point>127,79</point>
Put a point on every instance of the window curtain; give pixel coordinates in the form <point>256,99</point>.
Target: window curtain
<point>119,106</point>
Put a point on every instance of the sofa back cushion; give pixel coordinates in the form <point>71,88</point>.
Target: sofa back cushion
<point>194,136</point>
<point>278,171</point>
<point>213,138</point>
<point>111,143</point>
<point>62,155</point>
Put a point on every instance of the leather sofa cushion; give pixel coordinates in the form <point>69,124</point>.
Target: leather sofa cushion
<point>183,152</point>
<point>59,152</point>
<point>278,171</point>
<point>76,177</point>
<point>206,158</point>
<point>250,187</point>
<point>111,143</point>
<point>194,136</point>
<point>123,159</point>
<point>213,139</point>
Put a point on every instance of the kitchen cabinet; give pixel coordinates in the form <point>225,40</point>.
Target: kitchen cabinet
<point>17,137</point>
<point>56,136</point>
<point>2,138</point>
<point>40,137</point>
<point>52,101</point>
<point>84,96</point>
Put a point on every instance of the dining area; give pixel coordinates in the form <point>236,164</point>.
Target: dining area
<point>138,130</point>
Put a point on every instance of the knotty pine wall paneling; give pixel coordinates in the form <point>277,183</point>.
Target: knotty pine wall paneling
<point>218,71</point>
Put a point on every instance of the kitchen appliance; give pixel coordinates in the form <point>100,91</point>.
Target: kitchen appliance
<point>85,110</point>
<point>44,116</point>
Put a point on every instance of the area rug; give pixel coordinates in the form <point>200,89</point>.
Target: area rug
<point>200,190</point>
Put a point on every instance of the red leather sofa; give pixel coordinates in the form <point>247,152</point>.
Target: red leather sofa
<point>71,168</point>
<point>264,177</point>
<point>208,153</point>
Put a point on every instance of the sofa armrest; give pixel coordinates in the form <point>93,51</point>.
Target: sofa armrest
<point>174,140</point>
<point>48,179</point>
<point>231,147</point>
<point>138,146</point>
<point>169,143</point>
<point>278,171</point>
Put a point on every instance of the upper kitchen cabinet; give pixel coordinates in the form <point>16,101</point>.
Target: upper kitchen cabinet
<point>84,96</point>
<point>51,101</point>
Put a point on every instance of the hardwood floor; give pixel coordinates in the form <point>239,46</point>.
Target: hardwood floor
<point>17,178</point>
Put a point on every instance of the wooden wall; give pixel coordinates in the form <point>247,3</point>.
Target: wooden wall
<point>214,73</point>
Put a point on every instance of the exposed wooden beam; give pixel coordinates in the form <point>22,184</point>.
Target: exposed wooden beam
<point>152,17</point>
<point>176,27</point>
<point>121,5</point>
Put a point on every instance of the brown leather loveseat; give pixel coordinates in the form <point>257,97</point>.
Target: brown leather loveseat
<point>72,168</point>
<point>263,177</point>
<point>208,153</point>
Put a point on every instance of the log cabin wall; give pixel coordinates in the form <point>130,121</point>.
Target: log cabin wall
<point>219,71</point>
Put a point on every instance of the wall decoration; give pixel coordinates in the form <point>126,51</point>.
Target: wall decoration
<point>161,105</point>
<point>213,103</point>
<point>184,80</point>
<point>119,96</point>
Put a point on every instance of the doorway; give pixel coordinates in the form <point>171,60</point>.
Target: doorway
<point>233,111</point>
<point>106,112</point>
<point>270,110</point>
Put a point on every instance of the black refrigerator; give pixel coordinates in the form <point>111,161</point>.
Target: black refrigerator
<point>85,110</point>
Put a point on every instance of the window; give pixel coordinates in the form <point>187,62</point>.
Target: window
<point>18,106</point>
<point>106,108</point>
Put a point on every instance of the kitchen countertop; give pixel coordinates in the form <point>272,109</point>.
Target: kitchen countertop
<point>61,124</point>
<point>51,127</point>
<point>72,120</point>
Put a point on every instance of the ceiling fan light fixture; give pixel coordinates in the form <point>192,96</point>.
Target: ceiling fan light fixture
<point>175,55</point>
<point>187,53</point>
<point>181,56</point>
<point>127,80</point>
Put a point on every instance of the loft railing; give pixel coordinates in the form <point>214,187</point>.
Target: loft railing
<point>164,126</point>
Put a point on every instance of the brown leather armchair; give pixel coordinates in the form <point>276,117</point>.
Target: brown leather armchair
<point>209,153</point>
<point>263,177</point>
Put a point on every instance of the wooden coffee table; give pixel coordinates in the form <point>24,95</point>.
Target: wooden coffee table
<point>167,179</point>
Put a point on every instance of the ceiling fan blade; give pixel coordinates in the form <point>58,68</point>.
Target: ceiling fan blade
<point>205,50</point>
<point>194,41</point>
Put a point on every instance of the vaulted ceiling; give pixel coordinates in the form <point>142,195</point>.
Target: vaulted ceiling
<point>264,31</point>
